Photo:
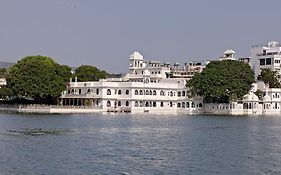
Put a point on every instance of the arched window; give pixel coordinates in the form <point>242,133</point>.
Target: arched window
<point>154,92</point>
<point>127,92</point>
<point>127,103</point>
<point>162,93</point>
<point>89,90</point>
<point>147,92</point>
<point>154,104</point>
<point>147,104</point>
<point>150,92</point>
<point>171,104</point>
<point>171,93</point>
<point>200,105</point>
<point>136,92</point>
<point>187,104</point>
<point>119,92</point>
<point>141,93</point>
<point>136,104</point>
<point>183,104</point>
<point>193,105</point>
<point>179,105</point>
<point>119,103</point>
<point>108,92</point>
<point>183,93</point>
<point>179,93</point>
<point>141,103</point>
<point>108,104</point>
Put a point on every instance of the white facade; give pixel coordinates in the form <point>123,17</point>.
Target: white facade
<point>146,88</point>
<point>266,56</point>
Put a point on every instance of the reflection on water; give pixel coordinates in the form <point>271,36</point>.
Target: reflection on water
<point>148,144</point>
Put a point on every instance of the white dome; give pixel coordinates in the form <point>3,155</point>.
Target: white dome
<point>136,55</point>
<point>250,97</point>
<point>229,51</point>
<point>266,98</point>
<point>146,72</point>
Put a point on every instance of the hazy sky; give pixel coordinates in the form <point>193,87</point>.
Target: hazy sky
<point>104,33</point>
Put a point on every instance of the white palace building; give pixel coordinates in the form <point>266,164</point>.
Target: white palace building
<point>152,87</point>
<point>146,88</point>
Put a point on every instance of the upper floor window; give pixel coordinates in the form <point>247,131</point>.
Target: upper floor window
<point>179,93</point>
<point>108,92</point>
<point>97,91</point>
<point>119,92</point>
<point>154,92</point>
<point>127,103</point>
<point>268,61</point>
<point>136,104</point>
<point>147,92</point>
<point>262,61</point>
<point>141,92</point>
<point>183,93</point>
<point>136,92</point>
<point>171,93</point>
<point>162,93</point>
<point>127,92</point>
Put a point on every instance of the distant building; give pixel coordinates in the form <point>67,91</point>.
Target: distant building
<point>228,55</point>
<point>266,56</point>
<point>245,60</point>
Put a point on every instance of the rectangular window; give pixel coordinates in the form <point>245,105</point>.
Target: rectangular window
<point>162,104</point>
<point>262,61</point>
<point>268,61</point>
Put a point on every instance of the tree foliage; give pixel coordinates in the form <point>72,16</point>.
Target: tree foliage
<point>270,78</point>
<point>38,78</point>
<point>89,73</point>
<point>3,72</point>
<point>222,81</point>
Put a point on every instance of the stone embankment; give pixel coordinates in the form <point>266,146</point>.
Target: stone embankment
<point>49,109</point>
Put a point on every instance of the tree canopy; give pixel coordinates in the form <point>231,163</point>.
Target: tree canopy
<point>89,73</point>
<point>270,78</point>
<point>3,72</point>
<point>222,81</point>
<point>38,78</point>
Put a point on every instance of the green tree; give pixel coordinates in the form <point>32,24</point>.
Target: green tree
<point>89,73</point>
<point>270,78</point>
<point>222,81</point>
<point>5,92</point>
<point>38,78</point>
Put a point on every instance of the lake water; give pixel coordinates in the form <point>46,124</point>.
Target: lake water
<point>139,144</point>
